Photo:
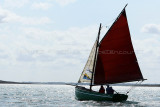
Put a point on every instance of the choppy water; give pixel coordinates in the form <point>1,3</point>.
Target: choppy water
<point>63,96</point>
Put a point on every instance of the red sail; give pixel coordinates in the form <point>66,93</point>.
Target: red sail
<point>116,60</point>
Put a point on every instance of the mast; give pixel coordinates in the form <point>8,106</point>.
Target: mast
<point>95,56</point>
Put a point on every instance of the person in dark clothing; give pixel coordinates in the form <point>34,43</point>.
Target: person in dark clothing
<point>109,90</point>
<point>102,90</point>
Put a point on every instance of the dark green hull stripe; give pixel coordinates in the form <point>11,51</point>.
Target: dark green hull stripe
<point>94,94</point>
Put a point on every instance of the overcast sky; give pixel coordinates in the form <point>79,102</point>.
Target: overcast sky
<point>50,40</point>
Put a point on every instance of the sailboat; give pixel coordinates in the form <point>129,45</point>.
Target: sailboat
<point>112,60</point>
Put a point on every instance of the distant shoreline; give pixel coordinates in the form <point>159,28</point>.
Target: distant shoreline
<point>74,84</point>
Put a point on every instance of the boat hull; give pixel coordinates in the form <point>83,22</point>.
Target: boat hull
<point>82,93</point>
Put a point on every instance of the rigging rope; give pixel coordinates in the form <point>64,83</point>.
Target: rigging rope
<point>134,86</point>
<point>109,23</point>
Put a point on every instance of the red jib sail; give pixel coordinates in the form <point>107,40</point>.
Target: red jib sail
<point>116,60</point>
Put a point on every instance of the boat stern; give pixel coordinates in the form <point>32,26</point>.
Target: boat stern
<point>119,97</point>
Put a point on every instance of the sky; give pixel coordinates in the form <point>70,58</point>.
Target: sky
<point>50,40</point>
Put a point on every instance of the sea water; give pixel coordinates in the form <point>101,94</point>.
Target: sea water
<point>19,95</point>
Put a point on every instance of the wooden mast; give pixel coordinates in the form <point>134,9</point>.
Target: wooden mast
<point>95,57</point>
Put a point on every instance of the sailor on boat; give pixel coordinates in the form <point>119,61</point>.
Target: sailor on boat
<point>109,90</point>
<point>102,90</point>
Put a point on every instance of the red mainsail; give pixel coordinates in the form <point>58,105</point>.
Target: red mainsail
<point>116,59</point>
